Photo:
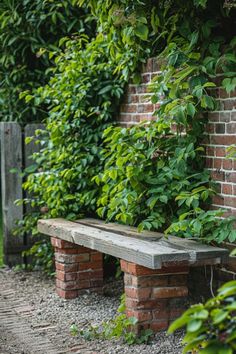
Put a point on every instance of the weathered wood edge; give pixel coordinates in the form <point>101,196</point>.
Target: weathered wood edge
<point>117,245</point>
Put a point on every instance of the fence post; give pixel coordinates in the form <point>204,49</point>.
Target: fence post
<point>11,158</point>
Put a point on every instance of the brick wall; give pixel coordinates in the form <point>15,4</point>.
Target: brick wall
<point>220,134</point>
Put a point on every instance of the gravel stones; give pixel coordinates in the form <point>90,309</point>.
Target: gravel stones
<point>51,316</point>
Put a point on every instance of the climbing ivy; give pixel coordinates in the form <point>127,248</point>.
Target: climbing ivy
<point>151,175</point>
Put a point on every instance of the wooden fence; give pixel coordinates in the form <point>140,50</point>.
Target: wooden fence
<point>15,154</point>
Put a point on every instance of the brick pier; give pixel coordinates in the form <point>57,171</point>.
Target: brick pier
<point>154,296</point>
<point>79,269</point>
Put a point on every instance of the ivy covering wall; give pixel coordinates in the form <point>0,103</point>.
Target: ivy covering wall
<point>148,175</point>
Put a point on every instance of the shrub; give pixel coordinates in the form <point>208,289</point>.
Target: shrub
<point>211,327</point>
<point>77,169</point>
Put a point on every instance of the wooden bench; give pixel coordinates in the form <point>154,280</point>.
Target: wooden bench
<point>155,268</point>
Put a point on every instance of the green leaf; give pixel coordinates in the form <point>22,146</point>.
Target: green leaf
<point>194,325</point>
<point>191,109</point>
<point>142,31</point>
<point>220,316</point>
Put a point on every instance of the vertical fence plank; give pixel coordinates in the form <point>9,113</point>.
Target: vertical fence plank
<point>11,158</point>
<point>29,149</point>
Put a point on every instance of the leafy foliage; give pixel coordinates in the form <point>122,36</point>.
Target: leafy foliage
<point>29,30</point>
<point>211,327</point>
<point>154,174</point>
<point>119,327</point>
<point>151,175</point>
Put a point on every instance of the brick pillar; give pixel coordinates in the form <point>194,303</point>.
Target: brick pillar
<point>78,269</point>
<point>154,297</point>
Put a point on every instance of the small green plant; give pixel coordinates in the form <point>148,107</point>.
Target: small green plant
<point>41,256</point>
<point>119,327</point>
<point>211,327</point>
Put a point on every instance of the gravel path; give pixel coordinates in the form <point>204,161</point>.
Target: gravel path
<point>48,318</point>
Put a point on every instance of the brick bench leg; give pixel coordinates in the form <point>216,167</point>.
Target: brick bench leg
<point>78,269</point>
<point>154,297</point>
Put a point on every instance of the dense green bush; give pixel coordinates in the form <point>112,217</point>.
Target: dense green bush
<point>77,169</point>
<point>29,30</point>
<point>211,327</point>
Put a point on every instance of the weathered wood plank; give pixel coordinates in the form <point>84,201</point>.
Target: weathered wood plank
<point>11,157</point>
<point>125,230</point>
<point>151,254</point>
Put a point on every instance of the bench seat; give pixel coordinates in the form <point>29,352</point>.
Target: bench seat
<point>155,267</point>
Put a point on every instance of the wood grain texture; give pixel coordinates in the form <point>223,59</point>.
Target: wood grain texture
<point>149,253</point>
<point>11,158</point>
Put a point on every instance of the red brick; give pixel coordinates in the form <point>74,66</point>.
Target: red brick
<point>223,93</point>
<point>66,267</point>
<point>157,326</point>
<point>169,292</point>
<point>63,276</point>
<point>220,151</point>
<point>213,117</point>
<point>141,315</point>
<point>125,117</point>
<point>223,139</point>
<point>160,304</point>
<point>227,164</point>
<point>149,281</point>
<point>231,177</point>
<point>138,293</point>
<point>210,128</point>
<point>160,314</point>
<point>97,256</point>
<point>218,200</point>
<point>230,201</point>
<point>69,285</point>
<point>129,108</point>
<point>217,163</point>
<point>67,294</point>
<point>145,108</point>
<point>138,270</point>
<point>209,163</point>
<point>220,128</point>
<point>65,258</point>
<point>66,250</point>
<point>56,242</point>
<point>90,265</point>
<point>224,116</point>
<point>84,257</point>
<point>83,284</point>
<point>178,279</point>
<point>227,189</point>
<point>89,274</point>
<point>229,104</point>
<point>231,128</point>
<point>218,175</point>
